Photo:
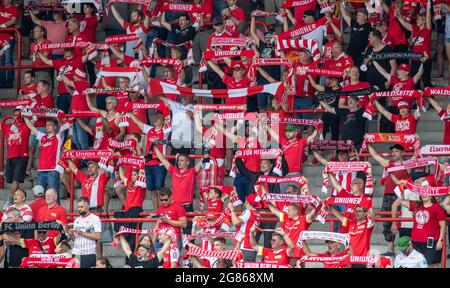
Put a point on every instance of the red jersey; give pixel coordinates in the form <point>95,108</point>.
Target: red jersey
<point>37,61</point>
<point>327,56</point>
<point>421,40</point>
<point>303,86</point>
<point>89,27</point>
<point>293,228</point>
<point>401,85</point>
<point>68,67</point>
<point>252,163</point>
<point>141,114</point>
<point>93,188</point>
<point>5,15</point>
<point>363,100</point>
<point>249,218</point>
<point>404,125</point>
<point>342,62</point>
<point>218,150</point>
<point>81,37</point>
<point>153,133</point>
<point>50,151</point>
<point>135,196</point>
<point>271,256</point>
<point>232,84</point>
<point>172,255</point>
<point>48,102</point>
<point>185,182</point>
<point>35,206</point>
<point>56,212</point>
<point>360,234</point>
<point>426,221</point>
<point>17,135</point>
<point>174,211</point>
<point>293,153</point>
<point>45,247</point>
<point>29,91</point>
<point>445,116</point>
<point>387,181</point>
<point>110,81</point>
<point>224,34</point>
<point>215,205</point>
<point>394,30</point>
<point>79,101</point>
<point>332,264</point>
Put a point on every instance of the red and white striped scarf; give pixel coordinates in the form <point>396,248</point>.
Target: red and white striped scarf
<point>234,255</point>
<point>402,139</point>
<point>427,190</point>
<point>228,41</point>
<point>130,106</point>
<point>13,103</point>
<point>110,91</point>
<point>225,214</point>
<point>365,202</point>
<point>323,259</point>
<point>302,30</point>
<point>43,112</point>
<point>347,167</point>
<point>343,238</point>
<point>214,54</point>
<point>187,45</point>
<point>128,72</point>
<point>339,73</point>
<point>259,265</point>
<point>435,150</point>
<point>296,3</point>
<point>300,180</point>
<point>213,107</point>
<point>383,261</point>
<point>314,201</point>
<point>136,162</point>
<point>414,163</point>
<point>311,45</point>
<point>181,7</point>
<point>271,153</point>
<point>260,13</point>
<point>211,235</point>
<point>163,61</point>
<point>317,123</point>
<point>157,87</point>
<point>436,91</point>
<point>53,46</point>
<point>370,108</point>
<point>259,62</point>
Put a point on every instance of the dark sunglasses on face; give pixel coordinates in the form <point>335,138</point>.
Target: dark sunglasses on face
<point>164,200</point>
<point>42,232</point>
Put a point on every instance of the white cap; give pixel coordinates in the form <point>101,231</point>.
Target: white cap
<point>38,191</point>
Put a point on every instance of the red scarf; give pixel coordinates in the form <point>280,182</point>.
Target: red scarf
<point>427,190</point>
<point>435,150</point>
<point>302,30</point>
<point>211,235</point>
<point>13,103</point>
<point>213,107</point>
<point>353,166</point>
<point>46,262</point>
<point>343,238</point>
<point>234,255</point>
<point>358,201</point>
<point>258,265</point>
<point>317,123</point>
<point>86,154</point>
<point>311,45</point>
<point>391,138</point>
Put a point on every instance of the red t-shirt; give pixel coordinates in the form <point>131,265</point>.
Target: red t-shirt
<point>38,61</point>
<point>279,257</point>
<point>48,102</point>
<point>300,10</point>
<point>422,44</point>
<point>360,234</point>
<point>151,132</point>
<point>36,205</point>
<point>89,27</point>
<point>16,139</point>
<point>141,114</point>
<point>81,37</point>
<point>327,56</point>
<point>232,84</point>
<point>293,228</point>
<point>401,85</point>
<point>174,211</point>
<point>394,30</point>
<point>389,184</point>
<point>47,246</point>
<point>68,65</point>
<point>93,188</point>
<point>363,100</point>
<point>135,196</point>
<point>57,212</point>
<point>184,183</point>
<point>332,264</point>
<point>215,205</point>
<point>404,125</point>
<point>252,163</point>
<point>225,34</point>
<point>30,91</point>
<point>303,86</point>
<point>293,153</point>
<point>171,255</point>
<point>426,221</point>
<point>50,149</point>
<point>445,116</point>
<point>343,62</point>
<point>5,15</point>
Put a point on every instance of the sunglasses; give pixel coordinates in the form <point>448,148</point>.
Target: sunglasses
<point>164,200</point>
<point>42,232</point>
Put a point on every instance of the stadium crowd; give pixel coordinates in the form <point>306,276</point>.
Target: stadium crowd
<point>114,99</point>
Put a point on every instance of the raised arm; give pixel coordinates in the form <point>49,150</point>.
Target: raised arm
<point>383,111</point>
<point>35,19</point>
<point>117,15</point>
<point>31,126</point>
<point>345,14</point>
<point>314,84</point>
<point>164,23</point>
<point>336,213</point>
<point>162,158</point>
<point>383,162</point>
<point>265,75</point>
<point>45,59</point>
<point>320,158</point>
<point>435,105</point>
<point>275,211</point>
<point>253,30</point>
<point>306,249</point>
<point>234,218</point>
<point>381,70</point>
<point>216,69</point>
<point>116,52</point>
<point>428,16</point>
<point>125,246</point>
<point>334,182</point>
<point>93,108</point>
<point>327,107</point>
<point>402,21</point>
<point>136,120</point>
<point>419,74</point>
<point>72,166</point>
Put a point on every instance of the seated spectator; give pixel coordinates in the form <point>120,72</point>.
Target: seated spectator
<point>409,257</point>
<point>19,203</point>
<point>12,254</point>
<point>334,250</point>
<point>52,211</point>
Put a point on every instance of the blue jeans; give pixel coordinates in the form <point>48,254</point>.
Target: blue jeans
<point>63,102</point>
<point>7,76</point>
<point>80,137</point>
<point>303,103</point>
<point>242,185</point>
<point>155,176</point>
<point>49,179</point>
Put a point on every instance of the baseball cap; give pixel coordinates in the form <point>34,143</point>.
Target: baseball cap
<point>364,11</point>
<point>403,104</point>
<point>238,66</point>
<point>217,21</point>
<point>251,199</point>
<point>291,127</point>
<point>404,67</point>
<point>38,191</point>
<point>403,243</point>
<point>309,13</point>
<point>397,146</point>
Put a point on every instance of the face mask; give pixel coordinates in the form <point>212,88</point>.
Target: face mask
<point>83,213</point>
<point>141,259</point>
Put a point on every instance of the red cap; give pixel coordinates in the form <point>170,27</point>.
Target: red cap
<point>403,104</point>
<point>251,199</point>
<point>404,67</point>
<point>238,66</point>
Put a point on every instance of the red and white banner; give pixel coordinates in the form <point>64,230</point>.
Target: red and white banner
<point>412,163</point>
<point>435,150</point>
<point>352,166</point>
<point>162,61</point>
<point>181,7</point>
<point>124,145</point>
<point>402,139</point>
<point>436,91</point>
<point>234,255</point>
<point>322,259</point>
<point>86,154</point>
<point>121,38</point>
<point>52,46</point>
<point>213,107</point>
<point>427,190</point>
<point>228,53</point>
<point>258,265</point>
<point>136,162</point>
<point>296,3</point>
<point>211,235</point>
<point>130,106</point>
<point>326,72</point>
<point>157,87</point>
<point>43,261</point>
<point>365,202</point>
<point>228,41</point>
<point>322,235</point>
<point>311,45</point>
<point>13,103</point>
<point>42,112</point>
<point>125,230</point>
<point>302,30</point>
<point>383,261</point>
<point>260,13</point>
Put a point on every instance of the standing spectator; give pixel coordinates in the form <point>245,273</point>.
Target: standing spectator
<point>389,185</point>
<point>139,24</point>
<point>404,122</point>
<point>19,203</point>
<point>359,34</point>
<point>421,41</point>
<point>52,211</point>
<point>428,232</point>
<point>409,257</point>
<point>172,214</point>
<point>13,254</point>
<point>146,256</point>
<point>28,90</point>
<point>89,21</point>
<point>304,90</point>
<point>86,231</point>
<point>353,123</point>
<point>9,14</point>
<point>172,255</point>
<point>56,30</point>
<point>43,99</point>
<point>39,202</point>
<point>354,84</point>
<point>179,33</point>
<point>183,179</point>
<point>17,135</point>
<point>50,144</point>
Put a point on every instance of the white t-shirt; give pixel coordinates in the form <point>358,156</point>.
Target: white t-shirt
<point>90,224</point>
<point>406,213</point>
<point>182,124</point>
<point>413,260</point>
<point>317,34</point>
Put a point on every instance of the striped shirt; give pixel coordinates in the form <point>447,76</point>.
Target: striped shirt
<point>90,224</point>
<point>25,212</point>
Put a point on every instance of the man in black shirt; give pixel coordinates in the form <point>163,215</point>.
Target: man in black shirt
<point>146,256</point>
<point>179,33</point>
<point>353,122</point>
<point>359,34</point>
<point>13,253</point>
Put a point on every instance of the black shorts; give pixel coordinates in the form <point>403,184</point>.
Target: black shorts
<point>16,169</point>
<point>432,256</point>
